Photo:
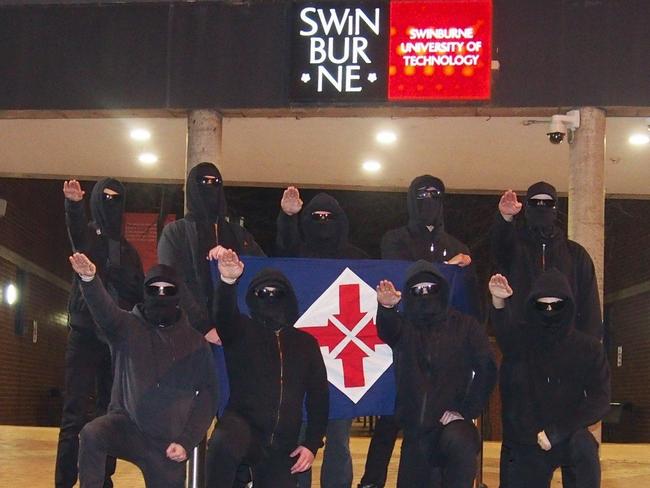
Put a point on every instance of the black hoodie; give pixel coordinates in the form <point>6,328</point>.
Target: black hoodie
<point>117,261</point>
<point>522,254</point>
<point>414,241</point>
<point>434,362</point>
<point>321,240</point>
<point>554,379</point>
<point>272,371</point>
<point>184,244</point>
<point>164,377</point>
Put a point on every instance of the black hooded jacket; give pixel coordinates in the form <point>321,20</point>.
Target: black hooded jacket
<point>434,361</point>
<point>185,243</point>
<point>414,241</point>
<point>522,255</point>
<point>556,379</point>
<point>271,371</point>
<point>313,244</point>
<point>164,377</point>
<point>117,261</point>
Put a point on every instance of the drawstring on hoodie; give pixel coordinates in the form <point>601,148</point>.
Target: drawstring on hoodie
<point>543,256</point>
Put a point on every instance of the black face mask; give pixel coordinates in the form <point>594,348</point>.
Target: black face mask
<point>541,220</point>
<point>108,210</point>
<point>424,306</point>
<point>205,199</point>
<point>210,191</point>
<point>113,211</point>
<point>271,307</point>
<point>429,210</point>
<point>550,322</point>
<point>161,303</point>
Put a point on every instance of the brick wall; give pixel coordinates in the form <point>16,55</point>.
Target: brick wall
<point>627,314</point>
<point>33,228</point>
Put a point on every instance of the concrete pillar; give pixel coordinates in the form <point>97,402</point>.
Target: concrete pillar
<point>587,194</point>
<point>204,143</point>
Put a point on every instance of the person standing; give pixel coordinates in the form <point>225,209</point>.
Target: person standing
<point>88,370</point>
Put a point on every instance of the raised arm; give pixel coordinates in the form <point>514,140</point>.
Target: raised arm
<point>507,330</point>
<point>287,237</point>
<point>107,315</point>
<point>75,215</point>
<point>502,233</point>
<point>226,313</point>
<point>389,321</point>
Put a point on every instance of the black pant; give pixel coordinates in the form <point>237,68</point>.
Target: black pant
<point>117,435</point>
<point>449,452</point>
<point>568,472</point>
<point>380,451</point>
<point>532,467</point>
<point>88,373</point>
<point>234,443</point>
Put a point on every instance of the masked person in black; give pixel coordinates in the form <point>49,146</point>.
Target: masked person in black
<point>325,235</point>
<point>272,368</point>
<point>186,243</point>
<point>164,393</point>
<point>559,384</point>
<point>445,372</point>
<point>423,238</point>
<point>88,371</point>
<point>523,253</point>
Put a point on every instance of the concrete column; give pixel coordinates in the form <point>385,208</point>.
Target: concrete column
<point>204,139</point>
<point>587,194</point>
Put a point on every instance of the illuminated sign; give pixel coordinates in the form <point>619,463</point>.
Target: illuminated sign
<point>440,50</point>
<point>398,50</point>
<point>339,51</point>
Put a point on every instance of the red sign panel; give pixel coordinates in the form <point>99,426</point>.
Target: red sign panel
<point>440,50</point>
<point>140,229</point>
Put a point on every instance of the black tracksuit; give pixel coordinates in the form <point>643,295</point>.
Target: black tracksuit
<point>88,369</point>
<point>164,391</point>
<point>559,383</point>
<point>521,254</point>
<point>412,242</point>
<point>271,373</point>
<point>185,243</point>
<point>444,365</point>
<point>319,240</point>
<point>323,240</point>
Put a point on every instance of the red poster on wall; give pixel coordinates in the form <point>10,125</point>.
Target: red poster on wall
<point>440,50</point>
<point>140,229</point>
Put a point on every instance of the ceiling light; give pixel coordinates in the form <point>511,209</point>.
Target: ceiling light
<point>11,294</point>
<point>639,139</point>
<point>148,158</point>
<point>140,135</point>
<point>386,137</point>
<point>371,166</point>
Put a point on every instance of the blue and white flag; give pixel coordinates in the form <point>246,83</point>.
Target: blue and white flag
<point>338,306</point>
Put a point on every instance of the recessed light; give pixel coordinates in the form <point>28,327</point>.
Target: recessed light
<point>386,137</point>
<point>140,134</point>
<point>639,139</point>
<point>371,166</point>
<point>148,158</point>
<point>11,294</point>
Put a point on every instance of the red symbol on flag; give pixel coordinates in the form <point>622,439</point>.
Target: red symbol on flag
<point>346,321</point>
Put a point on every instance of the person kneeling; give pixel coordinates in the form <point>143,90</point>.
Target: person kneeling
<point>445,372</point>
<point>164,391</point>
<point>559,384</point>
<point>272,368</point>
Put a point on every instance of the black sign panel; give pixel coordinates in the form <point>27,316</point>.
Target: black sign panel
<point>339,51</point>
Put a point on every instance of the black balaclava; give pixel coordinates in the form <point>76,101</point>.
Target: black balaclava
<point>272,313</point>
<point>205,202</point>
<point>425,211</point>
<point>540,220</point>
<point>549,326</point>
<point>107,212</point>
<point>158,310</point>
<point>430,310</point>
<point>326,237</point>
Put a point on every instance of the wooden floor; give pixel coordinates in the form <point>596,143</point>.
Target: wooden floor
<point>27,461</point>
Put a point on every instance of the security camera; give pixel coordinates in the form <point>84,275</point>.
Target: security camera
<point>561,125</point>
